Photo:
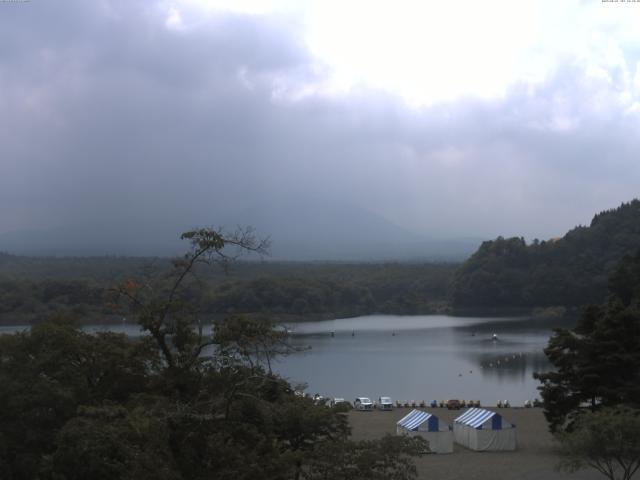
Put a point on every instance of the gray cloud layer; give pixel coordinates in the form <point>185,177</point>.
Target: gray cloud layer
<point>107,114</point>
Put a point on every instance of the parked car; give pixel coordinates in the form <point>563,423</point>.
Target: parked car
<point>339,401</point>
<point>363,403</point>
<point>453,404</point>
<point>385,403</point>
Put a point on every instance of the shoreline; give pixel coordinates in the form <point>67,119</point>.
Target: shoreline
<point>551,313</point>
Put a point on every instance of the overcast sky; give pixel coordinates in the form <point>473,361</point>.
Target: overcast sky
<point>460,118</point>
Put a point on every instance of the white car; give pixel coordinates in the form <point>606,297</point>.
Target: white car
<point>339,401</point>
<point>363,403</point>
<point>385,403</point>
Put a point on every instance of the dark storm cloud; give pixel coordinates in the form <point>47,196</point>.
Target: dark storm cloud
<point>107,113</point>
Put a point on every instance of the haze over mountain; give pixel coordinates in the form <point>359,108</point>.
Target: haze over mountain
<point>299,228</point>
<point>323,229</point>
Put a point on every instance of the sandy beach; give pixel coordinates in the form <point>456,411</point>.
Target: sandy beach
<point>534,458</point>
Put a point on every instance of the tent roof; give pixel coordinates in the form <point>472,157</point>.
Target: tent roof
<point>474,417</point>
<point>414,419</point>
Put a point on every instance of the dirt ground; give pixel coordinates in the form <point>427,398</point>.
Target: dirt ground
<point>534,458</point>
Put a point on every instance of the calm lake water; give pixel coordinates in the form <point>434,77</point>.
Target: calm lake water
<point>430,357</point>
<point>426,357</point>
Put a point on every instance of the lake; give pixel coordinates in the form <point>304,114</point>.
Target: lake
<point>424,357</point>
<point>430,357</point>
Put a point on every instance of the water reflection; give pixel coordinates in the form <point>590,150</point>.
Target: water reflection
<point>422,357</point>
<point>514,366</point>
<point>509,351</point>
<point>413,358</point>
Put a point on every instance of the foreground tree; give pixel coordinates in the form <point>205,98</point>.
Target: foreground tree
<point>47,373</point>
<point>607,440</point>
<point>112,442</point>
<point>251,341</point>
<point>178,403</point>
<point>597,364</point>
<point>164,307</point>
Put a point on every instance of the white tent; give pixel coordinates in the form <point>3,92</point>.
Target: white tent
<point>427,426</point>
<point>482,430</point>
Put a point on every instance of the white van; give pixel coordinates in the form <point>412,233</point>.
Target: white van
<point>385,403</point>
<point>363,403</point>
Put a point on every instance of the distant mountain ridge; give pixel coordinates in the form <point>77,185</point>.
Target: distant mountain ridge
<point>569,271</point>
<point>304,229</point>
<point>301,229</point>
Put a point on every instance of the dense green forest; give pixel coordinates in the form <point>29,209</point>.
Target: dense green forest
<point>570,271</point>
<point>34,288</point>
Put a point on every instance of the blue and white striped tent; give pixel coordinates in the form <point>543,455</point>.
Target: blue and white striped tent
<point>476,417</point>
<point>427,425</point>
<point>417,418</point>
<point>480,429</point>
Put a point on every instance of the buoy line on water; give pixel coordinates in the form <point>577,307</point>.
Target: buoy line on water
<point>502,360</point>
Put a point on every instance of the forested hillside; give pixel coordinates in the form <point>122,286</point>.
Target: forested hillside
<point>33,289</point>
<point>570,271</point>
<point>506,273</point>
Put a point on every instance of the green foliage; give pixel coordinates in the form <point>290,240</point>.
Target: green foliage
<point>111,442</point>
<point>597,364</point>
<point>48,372</point>
<point>607,440</point>
<point>570,271</point>
<point>22,301</point>
<point>387,459</point>
<point>624,282</point>
<point>291,296</point>
<point>176,404</point>
<point>302,291</point>
<point>250,341</point>
<point>31,290</point>
<point>70,412</point>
